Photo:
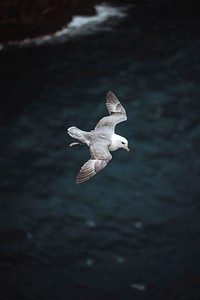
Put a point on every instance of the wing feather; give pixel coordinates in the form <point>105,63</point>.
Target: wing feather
<point>116,111</point>
<point>113,104</point>
<point>90,168</point>
<point>100,157</point>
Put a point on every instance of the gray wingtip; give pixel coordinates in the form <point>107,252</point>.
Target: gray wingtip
<point>109,94</point>
<point>114,105</point>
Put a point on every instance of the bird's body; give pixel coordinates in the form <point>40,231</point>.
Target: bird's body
<point>101,140</point>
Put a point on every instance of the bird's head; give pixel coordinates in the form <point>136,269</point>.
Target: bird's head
<point>117,142</point>
<point>123,143</point>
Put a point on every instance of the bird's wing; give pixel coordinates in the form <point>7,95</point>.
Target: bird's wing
<point>113,104</point>
<point>100,156</point>
<point>116,111</point>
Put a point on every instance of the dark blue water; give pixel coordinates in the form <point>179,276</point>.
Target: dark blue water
<point>132,231</point>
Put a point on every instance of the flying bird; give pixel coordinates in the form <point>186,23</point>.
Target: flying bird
<point>101,140</point>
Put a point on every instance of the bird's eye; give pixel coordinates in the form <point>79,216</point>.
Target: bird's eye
<point>123,143</point>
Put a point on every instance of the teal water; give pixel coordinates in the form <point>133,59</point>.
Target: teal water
<point>132,231</point>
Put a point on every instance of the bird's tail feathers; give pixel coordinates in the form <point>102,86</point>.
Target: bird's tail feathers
<point>76,133</point>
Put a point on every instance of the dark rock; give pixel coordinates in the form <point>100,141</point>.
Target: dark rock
<point>20,19</point>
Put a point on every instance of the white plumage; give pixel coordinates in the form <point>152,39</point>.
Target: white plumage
<point>101,140</point>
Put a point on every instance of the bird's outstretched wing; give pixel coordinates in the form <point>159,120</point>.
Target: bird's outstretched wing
<point>113,104</point>
<point>100,157</point>
<point>116,111</point>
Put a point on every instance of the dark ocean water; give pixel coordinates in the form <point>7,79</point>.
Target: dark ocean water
<point>132,231</point>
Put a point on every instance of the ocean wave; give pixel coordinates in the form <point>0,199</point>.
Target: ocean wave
<point>105,18</point>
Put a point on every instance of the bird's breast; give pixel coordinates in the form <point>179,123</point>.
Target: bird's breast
<point>112,147</point>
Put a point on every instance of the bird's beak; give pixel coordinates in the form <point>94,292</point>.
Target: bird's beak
<point>127,149</point>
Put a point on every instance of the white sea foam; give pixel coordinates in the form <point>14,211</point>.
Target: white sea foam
<point>103,12</point>
<point>138,286</point>
<point>89,262</point>
<point>105,18</point>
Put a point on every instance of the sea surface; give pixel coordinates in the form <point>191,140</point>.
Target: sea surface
<point>133,230</point>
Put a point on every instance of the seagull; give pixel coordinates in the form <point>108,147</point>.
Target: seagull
<point>101,140</point>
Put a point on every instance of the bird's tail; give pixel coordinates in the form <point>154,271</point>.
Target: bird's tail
<point>76,133</point>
